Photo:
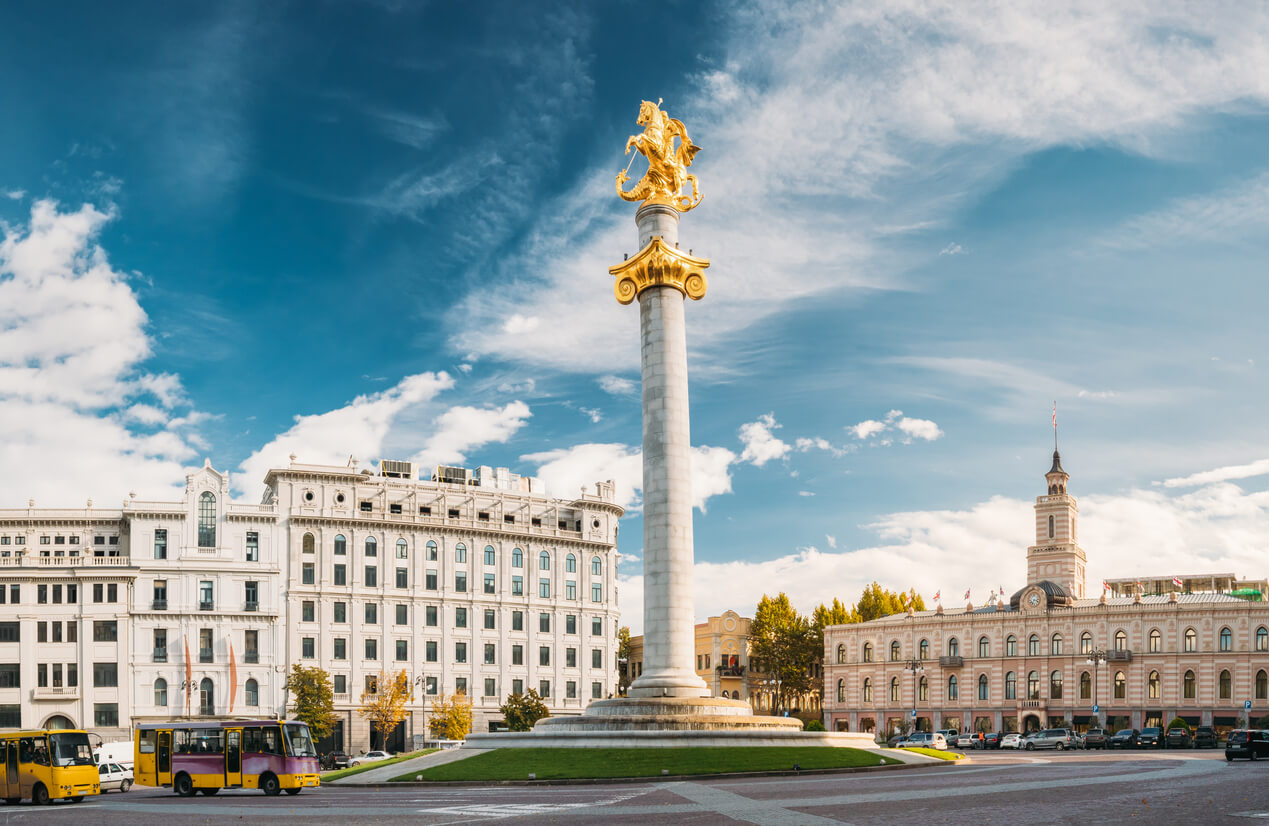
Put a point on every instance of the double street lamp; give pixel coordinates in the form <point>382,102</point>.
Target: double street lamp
<point>1096,658</point>
<point>774,685</point>
<point>915,666</point>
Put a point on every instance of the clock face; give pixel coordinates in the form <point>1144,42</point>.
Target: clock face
<point>1034,599</point>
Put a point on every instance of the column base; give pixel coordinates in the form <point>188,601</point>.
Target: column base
<point>668,684</point>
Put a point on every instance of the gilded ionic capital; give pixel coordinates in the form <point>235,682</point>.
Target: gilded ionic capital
<point>660,265</point>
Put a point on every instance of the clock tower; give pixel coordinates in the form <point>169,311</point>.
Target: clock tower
<point>1056,554</point>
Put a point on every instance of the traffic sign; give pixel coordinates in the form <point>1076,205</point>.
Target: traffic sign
<point>914,712</point>
<point>1096,709</point>
<point>1246,705</point>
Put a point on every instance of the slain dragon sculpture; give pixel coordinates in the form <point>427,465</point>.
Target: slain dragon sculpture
<point>667,164</point>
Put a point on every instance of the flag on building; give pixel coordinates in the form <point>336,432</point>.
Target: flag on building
<point>1176,580</point>
<point>938,595</point>
<point>1105,585</point>
<point>966,593</point>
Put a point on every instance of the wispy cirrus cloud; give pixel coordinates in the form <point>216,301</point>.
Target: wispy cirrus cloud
<point>1229,214</point>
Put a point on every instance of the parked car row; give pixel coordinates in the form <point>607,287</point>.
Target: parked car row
<point>1062,739</point>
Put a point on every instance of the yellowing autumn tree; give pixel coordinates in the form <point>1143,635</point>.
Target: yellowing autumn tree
<point>451,717</point>
<point>386,705</point>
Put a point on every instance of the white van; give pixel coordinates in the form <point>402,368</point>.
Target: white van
<point>119,751</point>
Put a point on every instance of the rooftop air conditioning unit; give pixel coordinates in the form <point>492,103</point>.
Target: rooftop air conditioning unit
<point>452,475</point>
<point>395,469</point>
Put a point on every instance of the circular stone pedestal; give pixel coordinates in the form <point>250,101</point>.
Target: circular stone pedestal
<point>668,714</point>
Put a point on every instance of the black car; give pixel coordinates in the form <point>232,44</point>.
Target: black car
<point>1151,738</point>
<point>1125,738</point>
<point>1095,738</point>
<point>991,740</point>
<point>1205,737</point>
<point>1248,743</point>
<point>334,760</point>
<point>1179,738</point>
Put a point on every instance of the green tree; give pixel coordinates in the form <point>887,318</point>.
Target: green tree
<point>784,644</point>
<point>624,651</point>
<point>521,711</point>
<point>451,717</point>
<point>312,699</point>
<point>1177,722</point>
<point>386,705</point>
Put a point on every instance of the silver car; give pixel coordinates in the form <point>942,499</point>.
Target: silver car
<point>925,739</point>
<point>1049,738</point>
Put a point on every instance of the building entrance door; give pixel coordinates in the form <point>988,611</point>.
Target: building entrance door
<point>1031,723</point>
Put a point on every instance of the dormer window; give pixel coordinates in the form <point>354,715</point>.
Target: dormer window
<point>207,520</point>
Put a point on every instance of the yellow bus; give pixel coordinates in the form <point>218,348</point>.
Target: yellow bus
<point>53,764</point>
<point>270,755</point>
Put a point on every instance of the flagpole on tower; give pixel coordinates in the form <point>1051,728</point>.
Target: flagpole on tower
<point>1055,447</point>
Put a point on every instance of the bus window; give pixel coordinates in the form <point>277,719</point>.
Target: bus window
<point>26,750</point>
<point>148,739</point>
<point>298,741</point>
<point>180,741</point>
<point>40,758</point>
<point>272,740</point>
<point>71,749</point>
<point>251,741</point>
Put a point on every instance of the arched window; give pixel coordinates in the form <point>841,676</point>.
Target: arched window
<point>1011,686</point>
<point>1033,685</point>
<point>341,545</point>
<point>570,564</point>
<point>1225,686</point>
<point>207,520</point>
<point>1055,646</point>
<point>726,696</point>
<point>894,689</point>
<point>894,651</point>
<point>1121,686</point>
<point>923,689</point>
<point>517,558</point>
<point>1262,685</point>
<point>841,691</point>
<point>1086,686</point>
<point>867,690</point>
<point>1086,643</point>
<point>596,566</point>
<point>984,647</point>
<point>953,648</point>
<point>1188,687</point>
<point>1033,645</point>
<point>1227,639</point>
<point>953,691</point>
<point>308,544</point>
<point>491,556</point>
<point>1262,639</point>
<point>1155,645</point>
<point>544,561</point>
<point>1055,685</point>
<point>1050,527</point>
<point>867,652</point>
<point>253,693</point>
<point>1152,685</point>
<point>403,549</point>
<point>924,649</point>
<point>372,547</point>
<point>841,653</point>
<point>460,552</point>
<point>1191,640</point>
<point>206,697</point>
<point>160,692</point>
<point>982,686</point>
<point>1011,646</point>
<point>1121,640</point>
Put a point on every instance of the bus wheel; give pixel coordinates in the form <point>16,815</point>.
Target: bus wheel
<point>39,795</point>
<point>183,785</point>
<point>269,784</point>
<point>296,790</point>
<point>209,792</point>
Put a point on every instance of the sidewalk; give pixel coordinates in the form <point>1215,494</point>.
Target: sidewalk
<point>386,773</point>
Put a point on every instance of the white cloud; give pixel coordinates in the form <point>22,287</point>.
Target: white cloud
<point>15,194</point>
<point>524,387</point>
<point>761,443</point>
<point>819,443</point>
<point>831,540</point>
<point>519,325</point>
<point>895,420</point>
<point>1222,474</point>
<point>565,470</point>
<point>357,429</point>
<point>919,429</point>
<point>1226,215</point>
<point>592,413</point>
<point>806,493</point>
<point>460,429</point>
<point>952,249</point>
<point>145,414</point>
<point>867,428</point>
<point>616,385</point>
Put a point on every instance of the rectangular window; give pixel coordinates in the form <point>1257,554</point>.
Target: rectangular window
<point>517,686</point>
<point>307,576</point>
<point>365,507</point>
<point>430,647</point>
<point>41,594</point>
<point>544,588</point>
<point>160,543</point>
<point>544,655</point>
<point>403,578</point>
<point>9,632</point>
<point>106,715</point>
<point>15,592</point>
<point>431,686</point>
<point>596,691</point>
<point>341,684</point>
<point>10,675</point>
<point>489,583</point>
<point>491,619</point>
<point>570,624</point>
<point>160,645</point>
<point>570,658</point>
<point>430,615</point>
<point>517,586</point>
<point>596,592</point>
<point>460,617</point>
<point>490,653</point>
<point>372,576</point>
<point>544,622</point>
<point>307,648</point>
<point>41,632</point>
<point>517,620</point>
<point>251,594</point>
<point>307,611</point>
<point>596,626</point>
<point>460,652</point>
<point>460,552</point>
<point>205,653</point>
<point>491,687</point>
<point>372,649</point>
<point>570,590</point>
<point>394,508</point>
<point>544,688</point>
<point>460,581</point>
<point>251,642</point>
<point>341,612</point>
<point>372,684</point>
<point>72,632</point>
<point>430,583</point>
<point>403,615</point>
<point>112,593</point>
<point>253,546</point>
<point>596,658</point>
<point>105,631</point>
<point>341,574</point>
<point>570,690</point>
<point>517,655</point>
<point>403,650</point>
<point>372,613</point>
<point>57,631</point>
<point>341,648</point>
<point>105,675</point>
<point>99,592</point>
<point>460,685</point>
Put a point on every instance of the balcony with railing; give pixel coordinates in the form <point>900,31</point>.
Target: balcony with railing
<point>251,605</point>
<point>952,661</point>
<point>26,560</point>
<point>731,671</point>
<point>1122,655</point>
<point>1032,704</point>
<point>251,657</point>
<point>160,655</point>
<point>205,655</point>
<point>158,605</point>
<point>206,605</point>
<point>55,692</point>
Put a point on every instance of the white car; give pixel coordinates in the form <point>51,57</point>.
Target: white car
<point>1012,740</point>
<point>368,757</point>
<point>114,776</point>
<point>966,740</point>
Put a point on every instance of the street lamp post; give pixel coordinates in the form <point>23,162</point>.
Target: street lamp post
<point>1096,658</point>
<point>774,684</point>
<point>914,666</point>
<point>421,682</point>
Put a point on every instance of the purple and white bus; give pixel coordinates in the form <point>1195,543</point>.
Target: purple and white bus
<point>270,755</point>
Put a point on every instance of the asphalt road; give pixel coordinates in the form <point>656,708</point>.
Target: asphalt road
<point>1072,787</point>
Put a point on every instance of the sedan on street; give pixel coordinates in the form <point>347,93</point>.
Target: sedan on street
<point>1125,738</point>
<point>1012,740</point>
<point>368,757</point>
<point>1248,743</point>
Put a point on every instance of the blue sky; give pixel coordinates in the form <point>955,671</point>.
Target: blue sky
<point>382,229</point>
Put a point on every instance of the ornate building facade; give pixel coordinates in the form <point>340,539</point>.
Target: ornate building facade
<point>1197,649</point>
<point>469,581</point>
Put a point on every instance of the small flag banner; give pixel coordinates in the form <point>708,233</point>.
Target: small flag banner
<point>1176,580</point>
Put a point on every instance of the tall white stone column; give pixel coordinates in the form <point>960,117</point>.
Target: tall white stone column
<point>669,634</point>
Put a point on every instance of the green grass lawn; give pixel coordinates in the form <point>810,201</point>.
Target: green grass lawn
<point>560,764</point>
<point>939,753</point>
<point>376,764</point>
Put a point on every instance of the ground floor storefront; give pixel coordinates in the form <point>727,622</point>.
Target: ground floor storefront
<point>1024,719</point>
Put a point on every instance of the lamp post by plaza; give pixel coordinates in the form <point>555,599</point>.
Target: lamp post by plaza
<point>915,666</point>
<point>421,682</point>
<point>1096,658</point>
<point>774,685</point>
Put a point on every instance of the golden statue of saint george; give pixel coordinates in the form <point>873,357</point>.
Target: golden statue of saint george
<point>667,164</point>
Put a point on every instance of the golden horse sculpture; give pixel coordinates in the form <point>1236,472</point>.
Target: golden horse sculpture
<point>667,164</point>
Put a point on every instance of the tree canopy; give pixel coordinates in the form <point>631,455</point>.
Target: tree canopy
<point>451,717</point>
<point>312,699</point>
<point>387,706</point>
<point>521,711</point>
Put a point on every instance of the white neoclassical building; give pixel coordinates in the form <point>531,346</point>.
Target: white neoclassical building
<point>470,581</point>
